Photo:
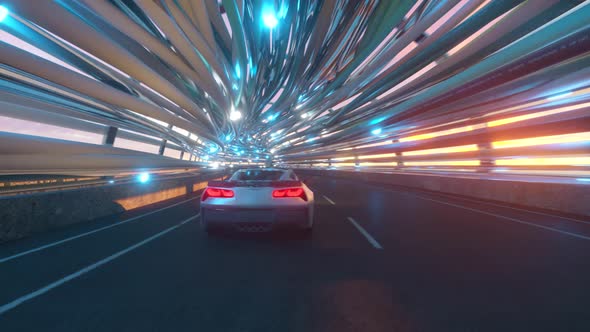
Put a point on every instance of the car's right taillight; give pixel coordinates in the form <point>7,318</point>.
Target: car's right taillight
<point>217,193</point>
<point>289,193</point>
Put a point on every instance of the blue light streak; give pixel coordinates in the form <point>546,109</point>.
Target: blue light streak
<point>560,96</point>
<point>238,71</point>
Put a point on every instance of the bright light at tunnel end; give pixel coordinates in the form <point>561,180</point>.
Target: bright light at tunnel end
<point>270,20</point>
<point>235,115</point>
<point>3,13</point>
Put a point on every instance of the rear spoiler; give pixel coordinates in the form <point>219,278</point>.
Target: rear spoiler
<point>274,184</point>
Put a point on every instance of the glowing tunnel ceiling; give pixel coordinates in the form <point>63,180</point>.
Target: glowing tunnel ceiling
<point>270,76</point>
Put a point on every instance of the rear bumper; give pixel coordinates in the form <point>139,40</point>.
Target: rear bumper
<point>269,218</point>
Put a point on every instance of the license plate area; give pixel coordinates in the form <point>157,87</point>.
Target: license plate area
<point>257,216</point>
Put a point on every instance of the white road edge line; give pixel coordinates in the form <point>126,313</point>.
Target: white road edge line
<point>523,210</point>
<point>511,219</point>
<point>53,244</point>
<point>368,236</point>
<point>9,306</point>
<point>450,196</point>
<point>329,200</point>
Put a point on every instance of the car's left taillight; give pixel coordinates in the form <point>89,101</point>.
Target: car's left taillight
<point>289,193</point>
<point>217,193</point>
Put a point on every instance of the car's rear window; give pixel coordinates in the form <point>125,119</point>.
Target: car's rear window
<point>257,175</point>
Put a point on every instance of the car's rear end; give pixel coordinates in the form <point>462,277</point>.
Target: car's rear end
<point>255,205</point>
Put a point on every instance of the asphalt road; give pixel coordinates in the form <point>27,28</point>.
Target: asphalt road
<point>379,259</point>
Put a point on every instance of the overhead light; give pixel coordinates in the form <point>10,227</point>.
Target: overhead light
<point>235,115</point>
<point>228,138</point>
<point>238,71</point>
<point>304,115</point>
<point>376,131</point>
<point>270,20</point>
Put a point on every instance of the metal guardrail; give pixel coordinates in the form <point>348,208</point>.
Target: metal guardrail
<point>48,183</point>
<point>24,154</point>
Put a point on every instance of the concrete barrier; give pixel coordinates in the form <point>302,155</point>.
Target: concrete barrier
<point>572,199</point>
<point>22,215</point>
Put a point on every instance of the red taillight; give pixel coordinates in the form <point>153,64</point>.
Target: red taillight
<point>217,193</point>
<point>289,192</point>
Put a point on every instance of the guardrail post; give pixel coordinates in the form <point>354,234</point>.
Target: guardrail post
<point>486,161</point>
<point>400,160</point>
<point>163,144</point>
<point>109,136</point>
<point>162,147</point>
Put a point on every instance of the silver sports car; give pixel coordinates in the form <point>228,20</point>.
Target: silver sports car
<point>257,200</point>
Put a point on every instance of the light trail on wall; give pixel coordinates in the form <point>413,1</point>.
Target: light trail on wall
<point>242,80</point>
